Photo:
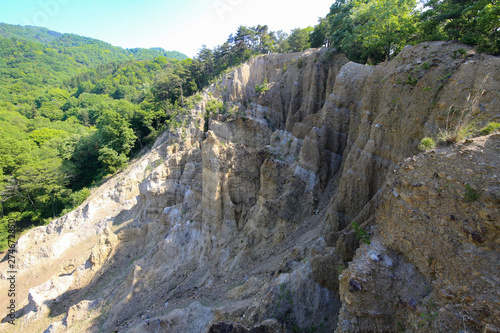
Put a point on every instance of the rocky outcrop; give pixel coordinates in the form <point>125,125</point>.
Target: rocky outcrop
<point>244,221</point>
<point>439,215</point>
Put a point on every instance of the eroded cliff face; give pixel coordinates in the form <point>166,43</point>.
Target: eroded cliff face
<point>433,262</point>
<point>242,220</point>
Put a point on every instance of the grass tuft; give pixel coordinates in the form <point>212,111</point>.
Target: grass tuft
<point>463,126</point>
<point>490,128</point>
<point>427,144</point>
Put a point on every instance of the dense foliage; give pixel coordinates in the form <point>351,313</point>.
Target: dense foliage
<point>375,30</point>
<point>84,50</point>
<point>58,141</point>
<point>475,22</point>
<point>72,110</point>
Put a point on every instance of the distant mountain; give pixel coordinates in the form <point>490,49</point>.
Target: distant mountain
<point>34,34</point>
<point>34,58</point>
<point>87,51</point>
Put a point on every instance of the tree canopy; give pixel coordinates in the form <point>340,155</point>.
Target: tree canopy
<point>475,22</point>
<point>375,30</point>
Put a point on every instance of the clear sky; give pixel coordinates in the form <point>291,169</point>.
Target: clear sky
<point>174,25</point>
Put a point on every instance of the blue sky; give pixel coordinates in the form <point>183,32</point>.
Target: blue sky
<point>174,25</point>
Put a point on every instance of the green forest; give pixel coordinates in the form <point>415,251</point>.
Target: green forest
<point>75,110</point>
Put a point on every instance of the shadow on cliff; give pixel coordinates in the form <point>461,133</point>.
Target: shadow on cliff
<point>110,274</point>
<point>355,124</point>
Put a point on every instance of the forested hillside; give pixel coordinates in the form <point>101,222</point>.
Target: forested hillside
<point>84,50</point>
<point>29,33</point>
<point>53,89</point>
